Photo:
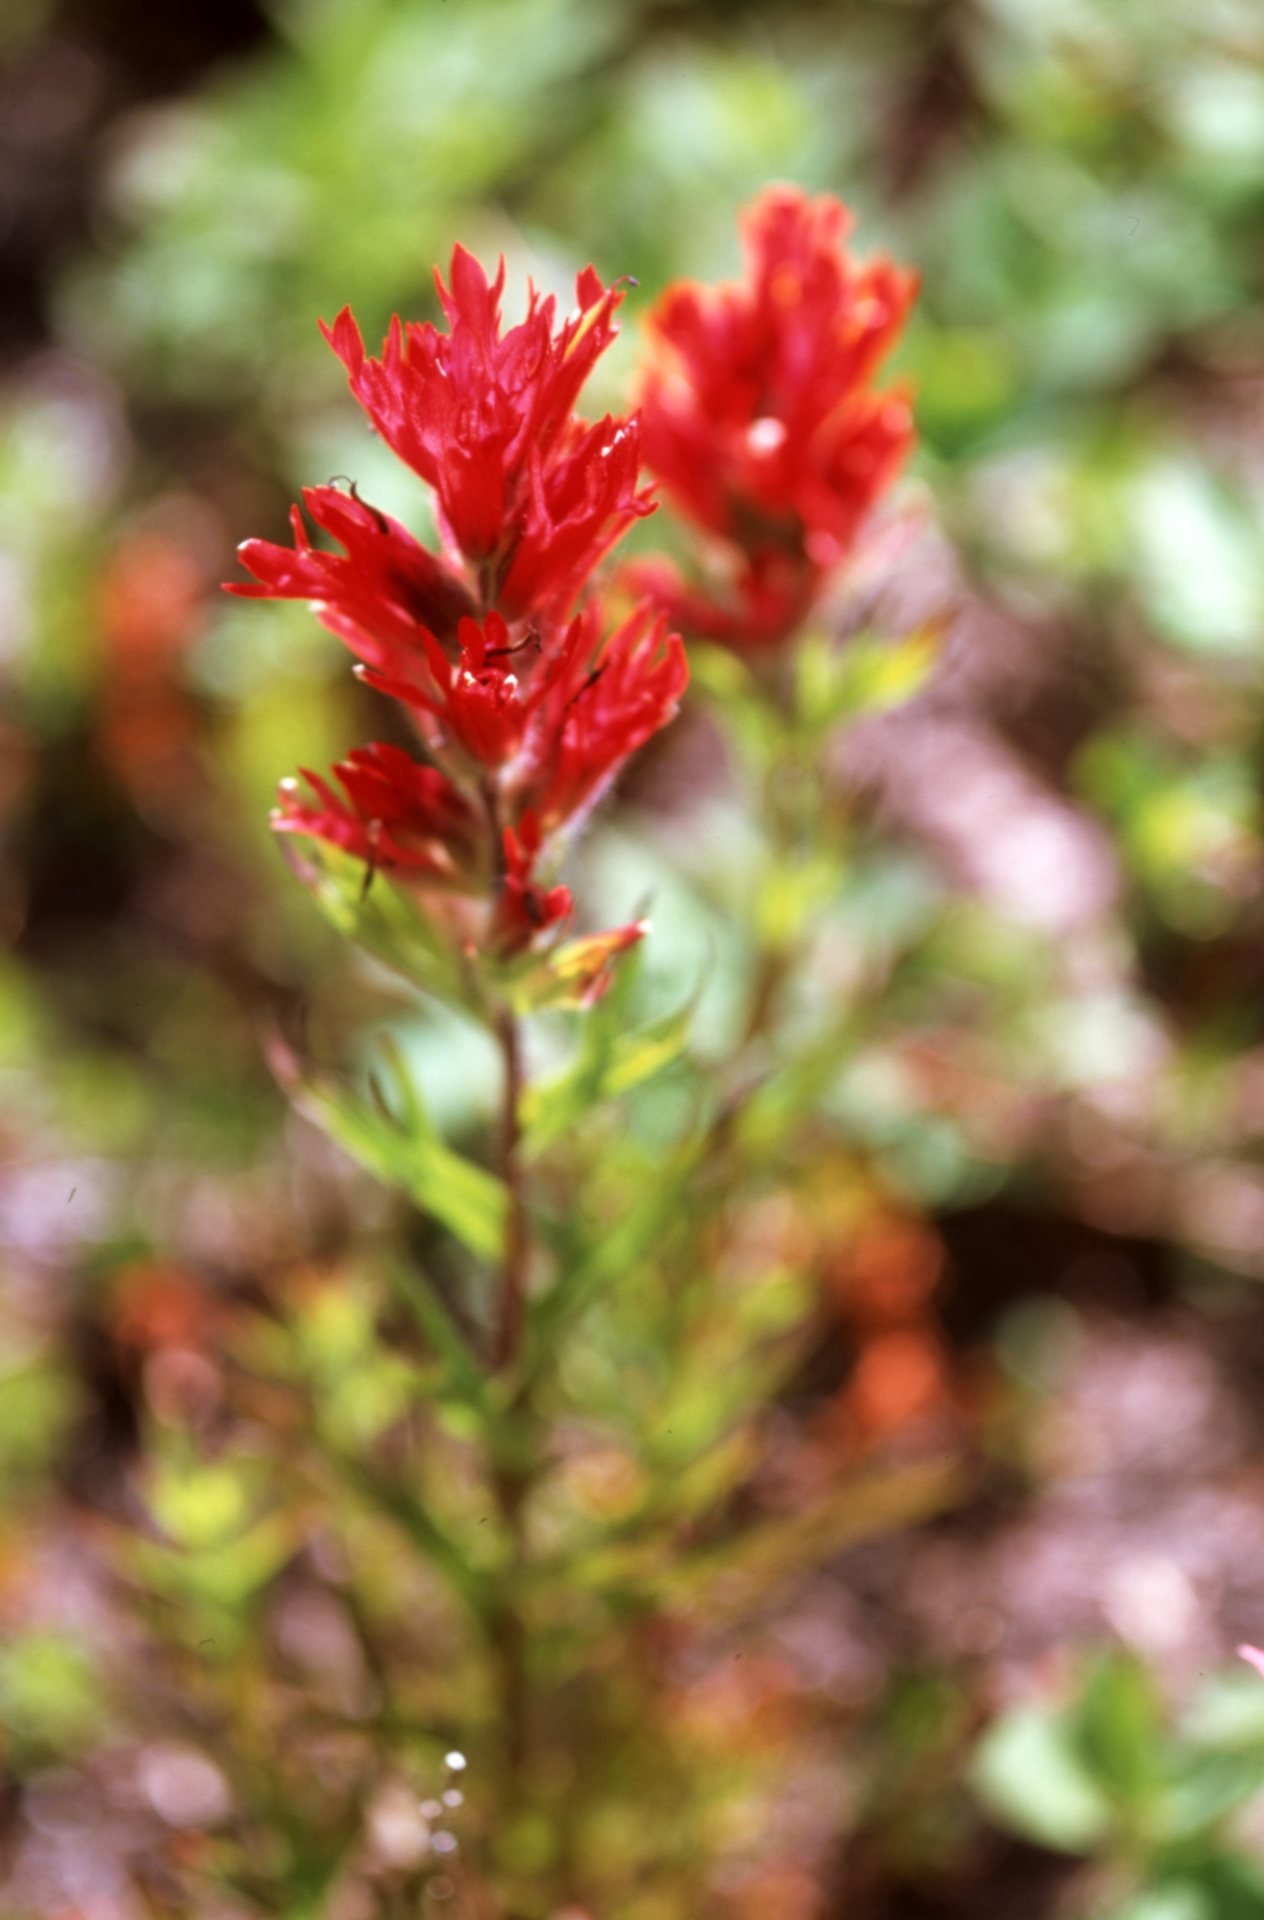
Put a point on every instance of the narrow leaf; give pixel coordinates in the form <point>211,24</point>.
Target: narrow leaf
<point>406,1153</point>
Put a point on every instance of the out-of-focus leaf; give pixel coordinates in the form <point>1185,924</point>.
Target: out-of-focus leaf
<point>464,1377</point>
<point>1228,1712</point>
<point>608,1062</point>
<point>865,676</point>
<point>1199,566</point>
<point>1118,1728</point>
<point>731,1577</point>
<point>380,917</point>
<point>50,1696</point>
<point>201,1505</point>
<point>418,1524</point>
<point>37,1403</point>
<point>614,1252</point>
<point>1210,1786</point>
<point>1182,1902</point>
<point>1234,1885</point>
<point>406,1153</point>
<point>227,1574</point>
<point>764,1557</point>
<point>1030,1777</point>
<point>726,679</point>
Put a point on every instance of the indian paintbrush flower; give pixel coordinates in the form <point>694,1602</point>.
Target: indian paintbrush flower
<point>494,646</point>
<point>760,416</point>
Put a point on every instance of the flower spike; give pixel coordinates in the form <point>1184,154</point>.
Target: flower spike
<point>760,417</point>
<point>494,646</point>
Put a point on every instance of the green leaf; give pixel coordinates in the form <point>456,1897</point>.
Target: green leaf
<point>1030,1777</point>
<point>726,679</point>
<point>763,1557</point>
<point>414,1519</point>
<point>50,1694</point>
<point>865,676</point>
<point>613,1253</point>
<point>465,1378</point>
<point>733,1576</point>
<point>381,917</point>
<point>1118,1728</point>
<point>405,1152</point>
<point>1212,1786</point>
<point>608,1062</point>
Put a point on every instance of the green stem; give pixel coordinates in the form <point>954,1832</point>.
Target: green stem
<point>512,1305</point>
<point>511,1479</point>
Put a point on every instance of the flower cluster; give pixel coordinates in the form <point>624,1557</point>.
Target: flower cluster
<point>526,707</point>
<point>760,416</point>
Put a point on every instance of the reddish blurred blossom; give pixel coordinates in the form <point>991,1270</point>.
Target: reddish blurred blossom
<point>885,1279</point>
<point>152,1307</point>
<point>760,416</point>
<point>151,603</point>
<point>152,600</point>
<point>1253,1656</point>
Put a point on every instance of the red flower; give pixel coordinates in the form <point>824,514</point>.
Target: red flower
<point>553,716</point>
<point>758,409</point>
<point>529,497</point>
<point>767,597</point>
<point>526,710</point>
<point>525,910</point>
<point>400,816</point>
<point>375,594</point>
<point>479,698</point>
<point>602,702</point>
<point>396,814</point>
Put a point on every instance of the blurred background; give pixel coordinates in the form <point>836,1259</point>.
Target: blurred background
<point>1058,1099</point>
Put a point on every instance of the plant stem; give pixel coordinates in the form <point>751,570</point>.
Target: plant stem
<point>512,1304</point>
<point>512,1481</point>
<point>510,1642</point>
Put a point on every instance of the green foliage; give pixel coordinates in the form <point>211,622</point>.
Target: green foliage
<point>399,1145</point>
<point>1102,1771</point>
<point>52,1701</point>
<point>610,1059</point>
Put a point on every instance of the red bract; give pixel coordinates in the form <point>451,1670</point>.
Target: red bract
<point>529,497</point>
<point>759,413</point>
<point>602,702</point>
<point>395,814</point>
<point>553,718</point>
<point>525,910</point>
<point>478,699</point>
<point>375,594</point>
<point>767,597</point>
